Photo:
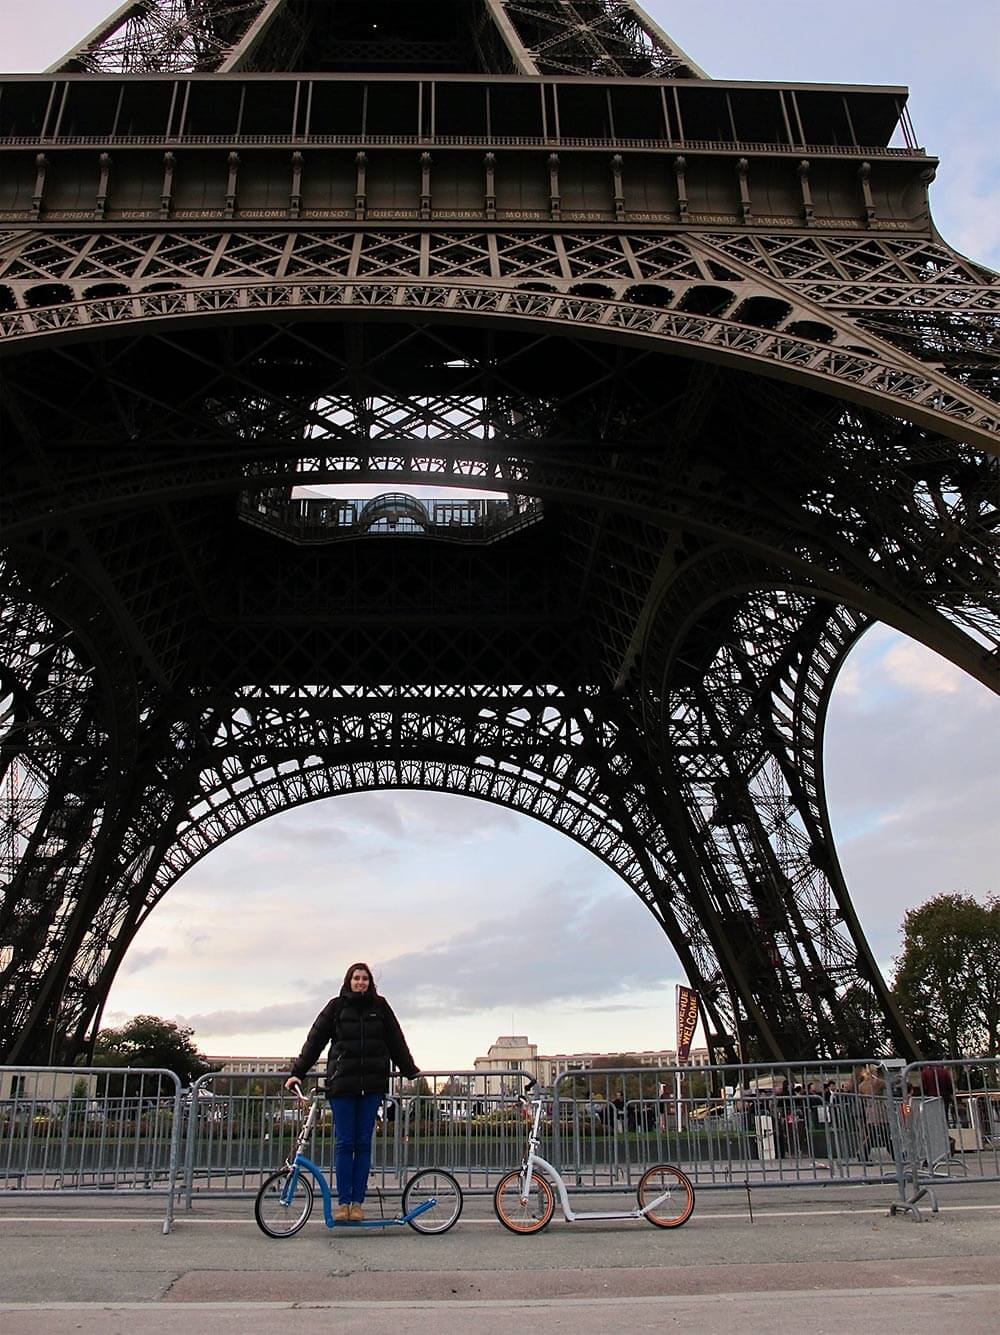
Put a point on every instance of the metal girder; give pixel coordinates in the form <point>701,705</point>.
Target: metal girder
<point>736,677</point>
<point>495,745</point>
<point>917,365</point>
<point>749,398</point>
<point>595,37</point>
<point>858,510</point>
<point>606,37</point>
<point>157,36</point>
<point>60,751</point>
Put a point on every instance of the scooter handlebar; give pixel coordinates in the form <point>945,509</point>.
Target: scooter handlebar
<point>522,1099</point>
<point>295,1085</point>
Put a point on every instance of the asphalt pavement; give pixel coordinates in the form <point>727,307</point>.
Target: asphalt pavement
<point>816,1259</point>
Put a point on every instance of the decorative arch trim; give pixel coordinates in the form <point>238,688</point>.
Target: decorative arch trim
<point>221,823</point>
<point>902,386</point>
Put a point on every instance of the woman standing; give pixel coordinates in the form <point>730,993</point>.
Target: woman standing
<point>364,1036</point>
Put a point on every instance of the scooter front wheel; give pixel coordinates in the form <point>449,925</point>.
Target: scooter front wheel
<point>282,1208</point>
<point>670,1194</point>
<point>432,1184</point>
<point>523,1211</point>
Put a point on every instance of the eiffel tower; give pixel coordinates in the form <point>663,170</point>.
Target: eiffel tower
<point>729,395</point>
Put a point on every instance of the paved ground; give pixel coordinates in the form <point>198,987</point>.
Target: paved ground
<point>818,1259</point>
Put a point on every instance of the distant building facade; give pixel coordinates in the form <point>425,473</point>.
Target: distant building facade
<point>260,1066</point>
<point>43,1086</point>
<point>249,1065</point>
<point>509,1054</point>
<point>513,1052</point>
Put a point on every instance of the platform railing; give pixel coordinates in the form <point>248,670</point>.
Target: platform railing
<point>484,141</point>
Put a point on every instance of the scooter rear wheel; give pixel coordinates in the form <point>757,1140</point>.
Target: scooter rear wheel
<point>527,1215</point>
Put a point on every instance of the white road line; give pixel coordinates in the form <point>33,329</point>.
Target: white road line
<point>504,1304</point>
<point>797,1214</point>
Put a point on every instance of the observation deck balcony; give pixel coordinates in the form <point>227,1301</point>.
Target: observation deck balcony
<point>307,521</point>
<point>408,151</point>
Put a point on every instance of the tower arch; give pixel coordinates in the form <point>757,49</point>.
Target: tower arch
<point>704,336</point>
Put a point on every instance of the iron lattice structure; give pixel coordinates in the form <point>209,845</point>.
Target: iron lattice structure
<point>735,396</point>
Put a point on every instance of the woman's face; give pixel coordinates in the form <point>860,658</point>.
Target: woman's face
<point>360,980</point>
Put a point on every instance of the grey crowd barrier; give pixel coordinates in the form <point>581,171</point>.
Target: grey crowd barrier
<point>116,1131</point>
<point>91,1130</point>
<point>242,1127</point>
<point>949,1128</point>
<point>763,1125</point>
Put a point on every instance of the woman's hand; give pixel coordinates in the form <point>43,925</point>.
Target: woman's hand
<point>293,1082</point>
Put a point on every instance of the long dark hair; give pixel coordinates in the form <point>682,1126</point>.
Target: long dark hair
<point>372,989</point>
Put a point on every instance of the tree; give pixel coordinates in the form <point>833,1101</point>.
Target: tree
<point>456,1086</point>
<point>148,1041</point>
<point>947,980</point>
<point>643,1082</point>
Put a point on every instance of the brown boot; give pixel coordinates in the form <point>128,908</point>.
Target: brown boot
<point>357,1214</point>
<point>342,1214</point>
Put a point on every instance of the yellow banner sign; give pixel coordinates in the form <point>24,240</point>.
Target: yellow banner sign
<point>687,1020</point>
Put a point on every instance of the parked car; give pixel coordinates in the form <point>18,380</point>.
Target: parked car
<point>714,1115</point>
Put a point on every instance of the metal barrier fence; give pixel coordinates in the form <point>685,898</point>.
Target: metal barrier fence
<point>949,1128</point>
<point>242,1127</point>
<point>90,1130</point>
<point>466,1121</point>
<point>109,1131</point>
<point>778,1125</point>
<point>769,1125</point>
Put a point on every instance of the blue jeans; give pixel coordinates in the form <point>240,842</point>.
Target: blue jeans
<point>353,1124</point>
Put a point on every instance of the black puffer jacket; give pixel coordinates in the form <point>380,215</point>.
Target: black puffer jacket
<point>364,1036</point>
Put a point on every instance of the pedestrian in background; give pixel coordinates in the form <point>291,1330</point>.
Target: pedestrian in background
<point>936,1082</point>
<point>871,1091</point>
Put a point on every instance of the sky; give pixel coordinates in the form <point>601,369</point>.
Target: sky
<point>479,921</point>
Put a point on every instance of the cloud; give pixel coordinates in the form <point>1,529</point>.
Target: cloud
<point>608,946</point>
<point>849,679</point>
<point>915,813</point>
<point>115,1019</point>
<point>971,177</point>
<point>345,825</point>
<point>137,960</point>
<point>910,664</point>
<point>352,833</point>
<point>492,964</point>
<point>429,817</point>
<point>264,1020</point>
